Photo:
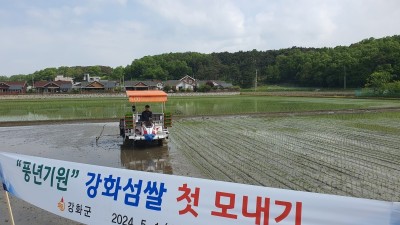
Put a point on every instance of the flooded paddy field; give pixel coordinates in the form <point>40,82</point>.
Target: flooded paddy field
<point>352,155</point>
<point>71,109</point>
<point>91,143</point>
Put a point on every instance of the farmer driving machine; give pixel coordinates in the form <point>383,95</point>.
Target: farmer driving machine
<point>135,129</point>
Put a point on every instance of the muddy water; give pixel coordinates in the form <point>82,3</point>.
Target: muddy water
<point>91,143</point>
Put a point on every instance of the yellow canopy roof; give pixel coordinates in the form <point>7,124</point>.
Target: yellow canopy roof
<point>146,96</point>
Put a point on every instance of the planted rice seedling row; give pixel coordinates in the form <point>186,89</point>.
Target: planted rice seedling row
<point>321,145</point>
<point>321,155</point>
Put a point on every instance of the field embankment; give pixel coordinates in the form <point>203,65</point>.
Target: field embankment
<point>107,95</point>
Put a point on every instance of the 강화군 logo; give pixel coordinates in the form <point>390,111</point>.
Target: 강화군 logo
<point>61,205</point>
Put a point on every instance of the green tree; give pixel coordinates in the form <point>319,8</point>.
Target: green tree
<point>204,88</point>
<point>393,89</point>
<point>272,74</point>
<point>155,72</point>
<point>94,71</point>
<point>378,80</point>
<point>62,70</point>
<point>4,78</point>
<point>177,68</point>
<point>47,74</point>
<point>167,88</point>
<point>118,73</point>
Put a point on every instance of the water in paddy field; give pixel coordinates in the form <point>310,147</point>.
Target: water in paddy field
<point>149,159</point>
<point>91,143</point>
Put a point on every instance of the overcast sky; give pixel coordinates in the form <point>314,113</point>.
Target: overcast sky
<point>36,34</point>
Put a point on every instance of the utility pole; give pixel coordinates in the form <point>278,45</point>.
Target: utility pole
<point>255,83</point>
<point>344,79</point>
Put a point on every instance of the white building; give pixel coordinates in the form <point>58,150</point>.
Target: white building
<point>62,78</point>
<point>186,83</point>
<point>88,78</point>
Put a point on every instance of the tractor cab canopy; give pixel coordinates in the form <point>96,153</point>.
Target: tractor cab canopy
<point>147,96</point>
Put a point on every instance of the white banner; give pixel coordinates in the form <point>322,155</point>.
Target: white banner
<point>102,195</point>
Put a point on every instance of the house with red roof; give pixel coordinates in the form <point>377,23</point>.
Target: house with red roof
<point>13,87</point>
<point>53,86</point>
<point>97,86</point>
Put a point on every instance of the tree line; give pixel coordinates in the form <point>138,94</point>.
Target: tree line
<point>338,67</point>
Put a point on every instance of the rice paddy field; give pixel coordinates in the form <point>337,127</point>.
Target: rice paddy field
<point>341,146</point>
<point>350,155</point>
<point>114,108</point>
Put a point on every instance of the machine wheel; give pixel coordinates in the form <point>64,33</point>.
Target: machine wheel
<point>160,142</point>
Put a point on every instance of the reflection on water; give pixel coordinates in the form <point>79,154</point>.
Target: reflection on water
<point>115,109</point>
<point>74,110</point>
<point>146,158</point>
<point>217,106</point>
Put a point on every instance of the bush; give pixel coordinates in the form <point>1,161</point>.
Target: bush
<point>204,88</point>
<point>118,89</point>
<point>393,88</point>
<point>234,88</point>
<point>167,88</point>
<point>378,81</point>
